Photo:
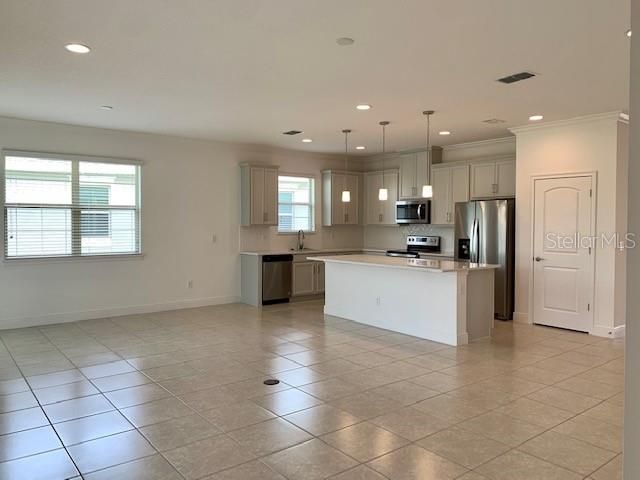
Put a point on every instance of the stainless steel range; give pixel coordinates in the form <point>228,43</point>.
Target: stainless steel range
<point>417,245</point>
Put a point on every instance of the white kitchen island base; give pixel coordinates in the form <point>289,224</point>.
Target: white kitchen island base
<point>451,304</point>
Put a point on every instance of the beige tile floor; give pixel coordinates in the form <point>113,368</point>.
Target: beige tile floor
<point>179,395</point>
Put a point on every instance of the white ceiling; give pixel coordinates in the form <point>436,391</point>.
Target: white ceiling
<point>246,70</point>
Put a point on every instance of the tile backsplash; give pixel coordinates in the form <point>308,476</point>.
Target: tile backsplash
<point>396,236</point>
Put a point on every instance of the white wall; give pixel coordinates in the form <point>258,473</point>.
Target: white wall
<point>632,352</point>
<point>190,192</point>
<point>588,144</point>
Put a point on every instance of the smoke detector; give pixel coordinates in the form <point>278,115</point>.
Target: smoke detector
<point>493,121</point>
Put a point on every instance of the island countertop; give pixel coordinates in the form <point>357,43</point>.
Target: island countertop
<point>435,266</point>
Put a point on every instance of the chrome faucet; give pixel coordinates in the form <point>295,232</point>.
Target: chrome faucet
<point>300,240</point>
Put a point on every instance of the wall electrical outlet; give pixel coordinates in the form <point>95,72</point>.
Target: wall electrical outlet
<point>378,301</point>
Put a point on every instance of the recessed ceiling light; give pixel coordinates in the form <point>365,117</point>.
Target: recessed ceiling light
<point>106,107</point>
<point>628,33</point>
<point>77,48</point>
<point>535,118</point>
<point>445,132</point>
<point>345,41</point>
<point>360,147</point>
<point>363,106</point>
<point>306,140</point>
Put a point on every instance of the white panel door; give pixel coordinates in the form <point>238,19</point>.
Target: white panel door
<point>562,258</point>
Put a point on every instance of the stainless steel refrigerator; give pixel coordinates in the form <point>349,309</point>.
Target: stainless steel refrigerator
<point>485,233</point>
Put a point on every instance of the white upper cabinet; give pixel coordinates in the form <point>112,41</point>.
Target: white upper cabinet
<point>506,175</point>
<point>334,210</point>
<point>259,197</point>
<point>381,212</point>
<point>450,185</point>
<point>414,173</point>
<point>493,179</point>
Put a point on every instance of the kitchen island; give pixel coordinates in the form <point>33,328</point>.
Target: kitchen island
<point>440,300</point>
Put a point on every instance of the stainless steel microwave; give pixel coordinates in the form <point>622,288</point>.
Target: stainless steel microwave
<point>413,211</point>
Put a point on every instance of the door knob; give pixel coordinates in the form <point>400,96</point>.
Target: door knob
<point>538,259</point>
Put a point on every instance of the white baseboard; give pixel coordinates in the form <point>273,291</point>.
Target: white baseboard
<point>608,332</point>
<point>521,317</point>
<point>114,312</point>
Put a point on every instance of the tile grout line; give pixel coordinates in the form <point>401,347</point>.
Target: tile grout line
<point>44,413</point>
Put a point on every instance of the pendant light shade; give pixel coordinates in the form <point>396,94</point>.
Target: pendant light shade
<point>383,193</point>
<point>346,194</point>
<point>427,189</point>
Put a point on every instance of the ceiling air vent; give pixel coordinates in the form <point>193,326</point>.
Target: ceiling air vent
<point>516,77</point>
<point>292,132</point>
<point>493,121</point>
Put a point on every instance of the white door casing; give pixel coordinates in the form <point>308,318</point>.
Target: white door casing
<point>563,252</point>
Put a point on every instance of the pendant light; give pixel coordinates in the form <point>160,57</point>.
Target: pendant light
<point>383,193</point>
<point>427,189</point>
<point>346,194</point>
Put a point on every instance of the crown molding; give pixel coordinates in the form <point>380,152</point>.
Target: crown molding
<point>479,143</point>
<point>598,117</point>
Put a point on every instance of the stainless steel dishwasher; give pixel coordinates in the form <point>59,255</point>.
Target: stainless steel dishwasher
<point>276,278</point>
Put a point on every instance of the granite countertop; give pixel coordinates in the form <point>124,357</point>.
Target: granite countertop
<point>436,266</point>
<point>322,251</point>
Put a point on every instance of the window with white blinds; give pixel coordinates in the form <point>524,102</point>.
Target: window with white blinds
<point>295,204</point>
<point>70,206</point>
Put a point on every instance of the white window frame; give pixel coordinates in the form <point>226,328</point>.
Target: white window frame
<point>312,205</point>
<point>73,158</point>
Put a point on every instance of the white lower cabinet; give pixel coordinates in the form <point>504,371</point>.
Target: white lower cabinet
<point>308,278</point>
<point>319,277</point>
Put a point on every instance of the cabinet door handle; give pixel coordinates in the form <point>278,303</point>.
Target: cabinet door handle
<point>494,188</point>
<point>380,217</point>
<point>414,191</point>
<point>264,217</point>
<point>346,217</point>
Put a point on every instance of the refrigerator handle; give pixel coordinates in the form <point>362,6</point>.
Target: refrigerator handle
<point>472,247</point>
<point>477,235</point>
